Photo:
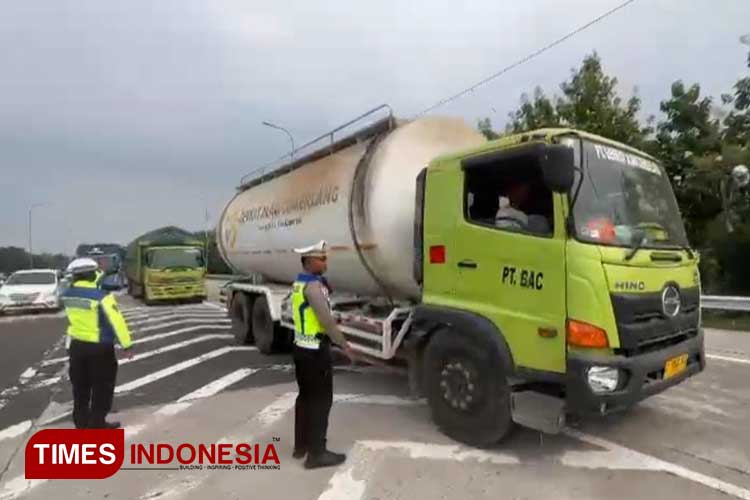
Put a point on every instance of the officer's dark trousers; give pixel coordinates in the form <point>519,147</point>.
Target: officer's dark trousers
<point>93,370</point>
<point>315,380</point>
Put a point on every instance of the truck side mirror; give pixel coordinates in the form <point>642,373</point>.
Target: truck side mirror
<point>557,163</point>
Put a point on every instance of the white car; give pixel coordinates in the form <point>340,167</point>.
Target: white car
<point>33,289</point>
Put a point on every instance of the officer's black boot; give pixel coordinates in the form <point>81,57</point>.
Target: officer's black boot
<point>324,458</point>
<point>299,453</point>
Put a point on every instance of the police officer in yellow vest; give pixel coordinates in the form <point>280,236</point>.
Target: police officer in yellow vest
<point>314,330</point>
<point>94,324</point>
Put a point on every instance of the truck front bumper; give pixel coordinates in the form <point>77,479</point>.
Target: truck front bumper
<point>167,292</point>
<point>641,376</point>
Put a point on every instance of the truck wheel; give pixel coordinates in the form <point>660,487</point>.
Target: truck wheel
<point>467,388</point>
<point>241,313</point>
<point>269,337</point>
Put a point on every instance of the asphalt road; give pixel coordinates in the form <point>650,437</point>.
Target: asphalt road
<point>188,383</point>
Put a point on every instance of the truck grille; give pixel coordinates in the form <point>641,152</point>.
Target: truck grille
<point>643,326</point>
<point>182,279</point>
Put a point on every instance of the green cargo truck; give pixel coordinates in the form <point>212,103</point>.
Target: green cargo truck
<point>166,264</point>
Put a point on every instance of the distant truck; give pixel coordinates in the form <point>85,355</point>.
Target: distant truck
<point>581,298</point>
<point>109,256</point>
<point>166,264</point>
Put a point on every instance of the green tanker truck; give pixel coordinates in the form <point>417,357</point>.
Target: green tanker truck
<point>166,264</point>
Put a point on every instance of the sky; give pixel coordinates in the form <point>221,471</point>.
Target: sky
<point>119,117</point>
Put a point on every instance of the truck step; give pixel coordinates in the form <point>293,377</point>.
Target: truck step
<point>538,411</point>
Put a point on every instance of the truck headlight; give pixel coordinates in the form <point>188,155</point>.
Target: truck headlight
<point>602,379</point>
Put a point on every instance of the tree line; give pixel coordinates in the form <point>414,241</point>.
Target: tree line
<point>14,258</point>
<point>697,139</point>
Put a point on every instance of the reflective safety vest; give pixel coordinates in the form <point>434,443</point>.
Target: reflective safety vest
<point>93,315</point>
<point>307,326</point>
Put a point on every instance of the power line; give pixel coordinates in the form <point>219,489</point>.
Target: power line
<point>525,59</point>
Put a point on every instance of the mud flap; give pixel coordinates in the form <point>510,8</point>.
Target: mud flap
<point>538,411</point>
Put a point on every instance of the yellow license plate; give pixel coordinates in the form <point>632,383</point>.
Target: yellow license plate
<point>675,366</point>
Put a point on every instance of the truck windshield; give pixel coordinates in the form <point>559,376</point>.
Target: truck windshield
<point>165,258</point>
<point>106,263</point>
<point>626,200</point>
<point>31,279</point>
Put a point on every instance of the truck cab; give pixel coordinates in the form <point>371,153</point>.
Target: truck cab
<point>568,248</point>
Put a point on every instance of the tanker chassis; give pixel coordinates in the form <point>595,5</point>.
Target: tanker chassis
<point>587,304</point>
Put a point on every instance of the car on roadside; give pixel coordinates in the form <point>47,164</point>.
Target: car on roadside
<point>31,290</point>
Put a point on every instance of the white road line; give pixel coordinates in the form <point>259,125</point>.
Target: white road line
<point>184,365</point>
<point>187,329</point>
<point>432,451</point>
<point>27,373</point>
<point>343,485</point>
<point>54,361</point>
<point>620,457</point>
<point>147,354</point>
<point>160,374</point>
<point>167,317</point>
<point>150,338</point>
<point>206,391</point>
<point>218,385</point>
<point>15,430</point>
<point>172,347</point>
<point>265,418</point>
<point>150,311</point>
<point>276,410</point>
<point>729,358</point>
<point>167,312</point>
<point>215,306</point>
<point>203,322</point>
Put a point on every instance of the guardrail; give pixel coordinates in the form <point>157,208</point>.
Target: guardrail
<point>725,303</point>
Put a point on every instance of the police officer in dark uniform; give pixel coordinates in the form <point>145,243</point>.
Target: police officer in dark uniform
<point>95,323</point>
<point>314,330</point>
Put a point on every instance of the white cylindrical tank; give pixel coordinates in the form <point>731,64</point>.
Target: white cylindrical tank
<point>359,199</point>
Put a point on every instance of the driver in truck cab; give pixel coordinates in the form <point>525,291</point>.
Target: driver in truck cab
<point>314,330</point>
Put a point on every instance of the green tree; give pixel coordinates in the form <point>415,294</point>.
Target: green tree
<point>590,102</point>
<point>14,258</point>
<point>688,130</point>
<point>536,112</point>
<point>688,144</point>
<point>737,123</point>
<point>484,125</point>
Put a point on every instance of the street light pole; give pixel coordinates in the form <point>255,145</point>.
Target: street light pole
<point>31,248</point>
<point>291,139</point>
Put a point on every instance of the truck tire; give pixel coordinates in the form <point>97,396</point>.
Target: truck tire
<point>466,387</point>
<point>270,338</point>
<point>241,314</point>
